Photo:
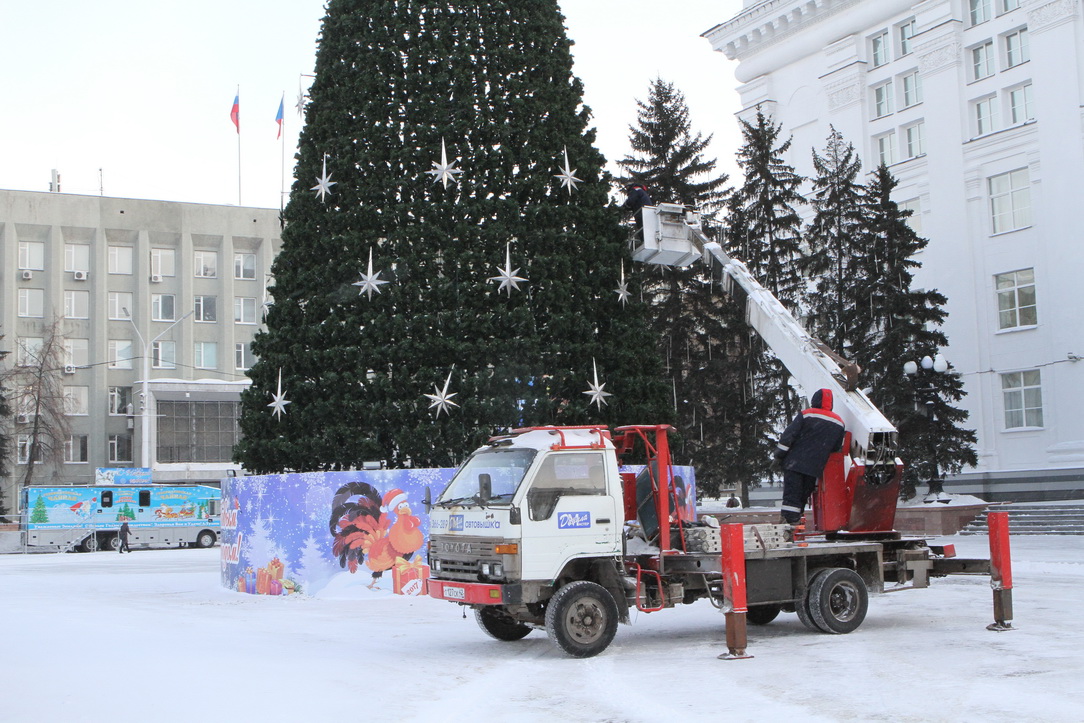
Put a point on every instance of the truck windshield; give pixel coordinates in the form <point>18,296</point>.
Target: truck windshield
<point>500,469</point>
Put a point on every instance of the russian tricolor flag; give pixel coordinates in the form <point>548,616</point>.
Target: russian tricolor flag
<point>278,116</point>
<point>235,114</point>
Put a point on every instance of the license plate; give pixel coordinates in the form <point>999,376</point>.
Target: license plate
<point>455,593</point>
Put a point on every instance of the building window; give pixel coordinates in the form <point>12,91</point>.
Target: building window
<point>120,400</point>
<point>206,308</point>
<point>882,100</point>
<point>912,90</point>
<point>886,148</point>
<point>163,307</point>
<point>164,354</point>
<point>163,262</point>
<point>1023,396</point>
<point>1007,5</point>
<point>1016,299</point>
<point>22,449</point>
<point>120,448</point>
<point>982,61</point>
<point>32,303</point>
<point>76,257</point>
<point>197,431</point>
<point>879,49</point>
<point>206,355</point>
<point>28,351</point>
<point>980,11</point>
<point>244,266</point>
<point>244,310</point>
<point>985,114</point>
<point>206,264</point>
<point>1016,48</point>
<point>77,304</point>
<point>242,358</point>
<point>1010,200</point>
<point>1020,106</point>
<point>77,352</point>
<point>907,31</point>
<point>32,255</point>
<point>913,205</point>
<point>120,354</point>
<point>120,259</point>
<point>76,400</point>
<point>120,305</point>
<point>914,138</point>
<point>75,448</point>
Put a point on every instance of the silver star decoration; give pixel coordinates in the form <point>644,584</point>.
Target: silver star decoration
<point>443,171</point>
<point>323,183</point>
<point>278,406</point>
<point>507,276</point>
<point>568,180</point>
<point>369,282</point>
<point>301,98</point>
<point>441,399</point>
<point>623,288</point>
<point>595,392</point>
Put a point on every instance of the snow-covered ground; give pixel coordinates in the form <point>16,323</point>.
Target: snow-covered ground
<point>152,636</point>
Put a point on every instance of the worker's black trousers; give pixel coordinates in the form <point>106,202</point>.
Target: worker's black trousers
<point>797,488</point>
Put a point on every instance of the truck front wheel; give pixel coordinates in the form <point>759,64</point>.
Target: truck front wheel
<point>205,539</point>
<point>838,600</point>
<point>90,544</point>
<point>499,625</point>
<point>581,619</point>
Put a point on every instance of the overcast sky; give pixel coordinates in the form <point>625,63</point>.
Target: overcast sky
<point>133,96</point>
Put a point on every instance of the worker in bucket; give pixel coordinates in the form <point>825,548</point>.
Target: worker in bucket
<point>636,197</point>
<point>803,450</point>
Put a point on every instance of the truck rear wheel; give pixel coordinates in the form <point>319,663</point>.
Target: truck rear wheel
<point>90,544</point>
<point>762,614</point>
<point>112,543</point>
<point>581,619</point>
<point>838,600</point>
<point>205,539</point>
<point>499,625</point>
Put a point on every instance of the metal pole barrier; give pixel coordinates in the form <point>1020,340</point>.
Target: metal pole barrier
<point>733,564</point>
<point>1000,571</point>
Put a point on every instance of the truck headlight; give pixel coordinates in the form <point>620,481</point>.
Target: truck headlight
<point>485,569</point>
<point>436,565</point>
<point>498,569</point>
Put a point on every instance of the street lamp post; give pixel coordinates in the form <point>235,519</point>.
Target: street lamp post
<point>144,406</point>
<point>920,373</point>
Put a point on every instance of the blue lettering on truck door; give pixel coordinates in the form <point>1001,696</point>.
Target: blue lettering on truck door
<point>573,520</point>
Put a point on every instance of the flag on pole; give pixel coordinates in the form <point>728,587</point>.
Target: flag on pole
<point>278,116</point>
<point>235,114</point>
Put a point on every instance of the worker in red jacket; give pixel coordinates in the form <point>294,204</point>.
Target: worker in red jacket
<point>803,450</point>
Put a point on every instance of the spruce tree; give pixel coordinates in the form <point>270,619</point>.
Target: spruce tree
<point>764,232</point>
<point>895,323</point>
<point>669,159</point>
<point>437,135</point>
<point>835,238</point>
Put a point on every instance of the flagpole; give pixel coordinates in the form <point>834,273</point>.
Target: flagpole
<point>282,162</point>
<point>239,148</point>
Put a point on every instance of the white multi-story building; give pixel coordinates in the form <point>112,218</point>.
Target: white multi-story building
<point>157,304</point>
<point>976,106</point>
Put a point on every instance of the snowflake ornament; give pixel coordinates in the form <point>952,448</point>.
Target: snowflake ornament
<point>441,399</point>
<point>506,277</point>
<point>444,171</point>
<point>568,179</point>
<point>622,290</point>
<point>595,392</point>
<point>278,405</point>
<point>323,183</point>
<point>369,282</point>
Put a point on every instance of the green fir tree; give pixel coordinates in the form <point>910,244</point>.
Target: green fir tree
<point>669,159</point>
<point>444,128</point>
<point>40,514</point>
<point>894,323</point>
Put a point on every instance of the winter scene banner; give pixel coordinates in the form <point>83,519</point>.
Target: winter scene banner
<point>339,533</point>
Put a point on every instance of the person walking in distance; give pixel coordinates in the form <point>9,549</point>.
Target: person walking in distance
<point>803,450</point>
<point>124,532</point>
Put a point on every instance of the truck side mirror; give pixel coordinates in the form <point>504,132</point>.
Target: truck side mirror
<point>427,501</point>
<point>485,488</point>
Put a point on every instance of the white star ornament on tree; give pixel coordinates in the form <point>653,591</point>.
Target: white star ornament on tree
<point>323,183</point>
<point>506,277</point>
<point>444,171</point>
<point>568,179</point>
<point>595,392</point>
<point>278,405</point>
<point>370,282</point>
<point>441,399</point>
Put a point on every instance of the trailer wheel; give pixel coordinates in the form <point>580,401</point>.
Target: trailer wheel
<point>205,539</point>
<point>90,544</point>
<point>762,614</point>
<point>499,625</point>
<point>838,600</point>
<point>112,543</point>
<point>581,619</point>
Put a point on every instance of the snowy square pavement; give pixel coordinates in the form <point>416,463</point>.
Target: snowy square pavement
<point>153,636</point>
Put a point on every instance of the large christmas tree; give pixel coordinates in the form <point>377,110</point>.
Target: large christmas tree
<point>454,271</point>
